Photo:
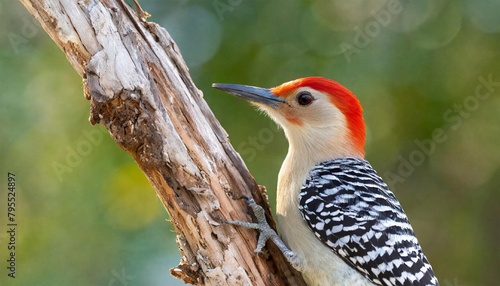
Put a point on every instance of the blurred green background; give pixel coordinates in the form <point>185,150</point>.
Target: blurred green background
<point>420,69</point>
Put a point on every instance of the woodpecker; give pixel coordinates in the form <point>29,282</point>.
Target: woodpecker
<point>339,223</point>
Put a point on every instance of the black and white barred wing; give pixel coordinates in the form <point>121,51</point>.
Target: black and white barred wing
<point>351,210</point>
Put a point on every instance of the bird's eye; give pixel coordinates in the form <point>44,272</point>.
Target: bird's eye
<point>304,98</point>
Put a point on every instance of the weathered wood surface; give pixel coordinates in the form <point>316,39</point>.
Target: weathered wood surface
<point>140,89</point>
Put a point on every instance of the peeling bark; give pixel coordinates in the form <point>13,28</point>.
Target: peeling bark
<point>140,89</point>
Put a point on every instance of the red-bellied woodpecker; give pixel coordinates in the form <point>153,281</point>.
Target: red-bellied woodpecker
<point>339,222</point>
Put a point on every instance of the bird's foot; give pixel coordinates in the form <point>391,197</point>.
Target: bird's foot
<point>266,233</point>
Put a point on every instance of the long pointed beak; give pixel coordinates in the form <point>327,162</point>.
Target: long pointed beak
<point>251,93</point>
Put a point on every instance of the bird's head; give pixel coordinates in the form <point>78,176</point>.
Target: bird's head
<point>321,118</point>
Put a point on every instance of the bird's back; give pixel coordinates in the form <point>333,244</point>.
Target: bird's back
<point>351,210</point>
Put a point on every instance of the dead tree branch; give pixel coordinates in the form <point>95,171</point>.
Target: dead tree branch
<point>140,89</point>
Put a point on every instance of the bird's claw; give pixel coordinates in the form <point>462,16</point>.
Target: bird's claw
<point>294,260</point>
<point>266,233</point>
<point>244,197</point>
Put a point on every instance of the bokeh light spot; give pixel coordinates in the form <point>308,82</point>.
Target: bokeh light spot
<point>196,31</point>
<point>484,15</point>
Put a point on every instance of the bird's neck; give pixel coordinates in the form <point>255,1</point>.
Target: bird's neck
<point>311,146</point>
<point>309,149</point>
